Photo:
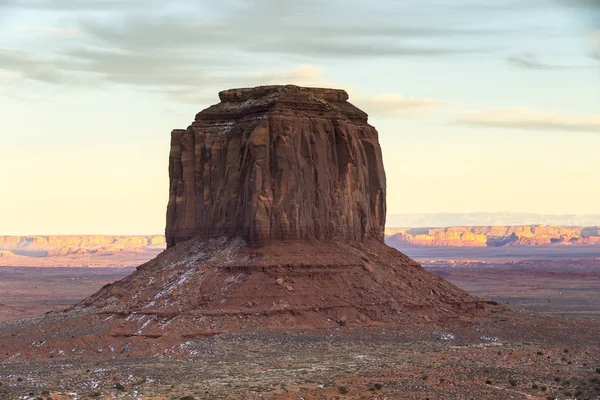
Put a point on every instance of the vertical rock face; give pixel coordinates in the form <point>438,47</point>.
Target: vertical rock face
<point>277,163</point>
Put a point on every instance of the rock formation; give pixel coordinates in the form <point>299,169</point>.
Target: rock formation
<point>275,221</point>
<point>277,163</point>
<point>276,216</point>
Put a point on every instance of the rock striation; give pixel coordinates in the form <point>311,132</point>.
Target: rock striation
<point>277,163</point>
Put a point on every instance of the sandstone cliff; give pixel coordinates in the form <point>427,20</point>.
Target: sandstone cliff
<point>277,162</point>
<point>493,236</point>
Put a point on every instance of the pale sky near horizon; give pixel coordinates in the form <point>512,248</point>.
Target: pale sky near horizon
<point>480,105</point>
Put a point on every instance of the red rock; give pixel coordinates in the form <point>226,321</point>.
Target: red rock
<point>277,163</point>
<point>291,181</point>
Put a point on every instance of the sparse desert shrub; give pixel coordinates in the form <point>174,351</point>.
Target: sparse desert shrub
<point>376,386</point>
<point>598,370</point>
<point>19,379</point>
<point>118,386</point>
<point>343,390</point>
<point>539,353</point>
<point>488,382</point>
<point>557,379</point>
<point>512,382</point>
<point>95,394</point>
<point>187,398</point>
<point>543,388</point>
<point>534,386</point>
<point>45,393</point>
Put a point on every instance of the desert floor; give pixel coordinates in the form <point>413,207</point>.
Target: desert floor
<point>517,355</point>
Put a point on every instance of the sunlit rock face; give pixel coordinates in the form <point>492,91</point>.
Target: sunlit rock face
<point>277,163</point>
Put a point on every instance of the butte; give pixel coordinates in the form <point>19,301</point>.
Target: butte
<point>275,219</point>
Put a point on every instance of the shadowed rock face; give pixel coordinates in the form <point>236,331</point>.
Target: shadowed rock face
<point>277,163</point>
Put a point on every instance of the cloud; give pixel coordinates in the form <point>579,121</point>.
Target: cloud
<point>159,47</point>
<point>595,43</point>
<point>175,51</point>
<point>258,30</point>
<point>202,93</point>
<point>51,31</point>
<point>28,66</point>
<point>141,68</point>
<point>72,5</point>
<point>530,119</point>
<point>396,105</point>
<point>385,105</point>
<point>531,61</point>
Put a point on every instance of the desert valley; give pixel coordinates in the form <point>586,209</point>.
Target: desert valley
<point>277,279</point>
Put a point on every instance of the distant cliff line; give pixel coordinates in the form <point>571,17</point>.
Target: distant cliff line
<point>63,245</point>
<point>446,219</point>
<point>493,236</point>
<point>457,236</point>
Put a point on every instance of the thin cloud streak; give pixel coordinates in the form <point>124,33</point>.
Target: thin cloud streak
<point>531,61</point>
<point>396,105</point>
<point>51,31</point>
<point>531,119</point>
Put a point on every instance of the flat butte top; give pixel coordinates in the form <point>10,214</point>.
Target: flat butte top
<point>283,99</point>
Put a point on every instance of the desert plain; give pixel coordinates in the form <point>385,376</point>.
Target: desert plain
<point>278,282</point>
<point>545,345</point>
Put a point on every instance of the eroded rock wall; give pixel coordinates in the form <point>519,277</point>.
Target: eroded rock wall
<point>277,163</point>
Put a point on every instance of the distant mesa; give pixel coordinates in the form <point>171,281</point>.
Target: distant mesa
<point>493,236</point>
<point>79,250</point>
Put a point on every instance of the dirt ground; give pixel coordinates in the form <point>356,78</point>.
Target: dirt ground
<point>496,359</point>
<point>512,355</point>
<point>29,291</point>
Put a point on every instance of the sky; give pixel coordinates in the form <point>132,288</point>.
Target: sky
<point>481,106</point>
